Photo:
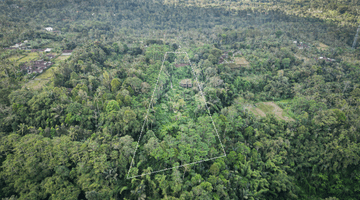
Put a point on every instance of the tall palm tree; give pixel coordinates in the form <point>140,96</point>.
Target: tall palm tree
<point>22,128</point>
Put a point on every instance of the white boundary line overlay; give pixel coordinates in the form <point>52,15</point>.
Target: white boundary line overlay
<point>142,128</point>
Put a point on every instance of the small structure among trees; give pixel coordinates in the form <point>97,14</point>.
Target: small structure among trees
<point>49,29</point>
<point>186,83</point>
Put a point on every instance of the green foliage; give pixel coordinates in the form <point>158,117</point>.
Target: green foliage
<point>112,106</point>
<point>75,137</point>
<point>212,59</point>
<point>278,33</point>
<point>286,62</point>
<point>115,84</point>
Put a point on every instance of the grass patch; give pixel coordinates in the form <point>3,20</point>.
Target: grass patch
<point>257,112</point>
<point>284,101</point>
<point>15,58</point>
<point>41,80</point>
<point>47,74</point>
<point>61,58</point>
<point>241,61</point>
<point>50,45</point>
<point>322,46</point>
<point>29,57</point>
<point>36,84</point>
<point>265,108</point>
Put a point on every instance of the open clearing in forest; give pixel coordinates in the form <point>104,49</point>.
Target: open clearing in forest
<point>62,58</point>
<point>241,61</point>
<point>15,58</point>
<point>39,81</point>
<point>322,46</point>
<point>29,57</point>
<point>264,108</point>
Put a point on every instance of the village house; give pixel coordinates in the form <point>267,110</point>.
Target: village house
<point>186,83</point>
<point>326,59</point>
<point>36,66</point>
<point>49,29</point>
<point>19,45</point>
<point>47,49</point>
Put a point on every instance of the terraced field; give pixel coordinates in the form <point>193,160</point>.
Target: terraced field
<point>15,58</point>
<point>29,57</point>
<point>41,80</point>
<point>60,58</point>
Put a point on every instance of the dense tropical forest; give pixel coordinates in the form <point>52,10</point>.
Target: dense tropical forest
<point>179,99</point>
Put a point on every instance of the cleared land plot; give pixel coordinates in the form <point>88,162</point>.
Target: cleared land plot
<point>40,80</point>
<point>239,62</point>
<point>322,46</point>
<point>62,58</point>
<point>264,108</point>
<point>15,58</point>
<point>181,140</point>
<point>29,57</point>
